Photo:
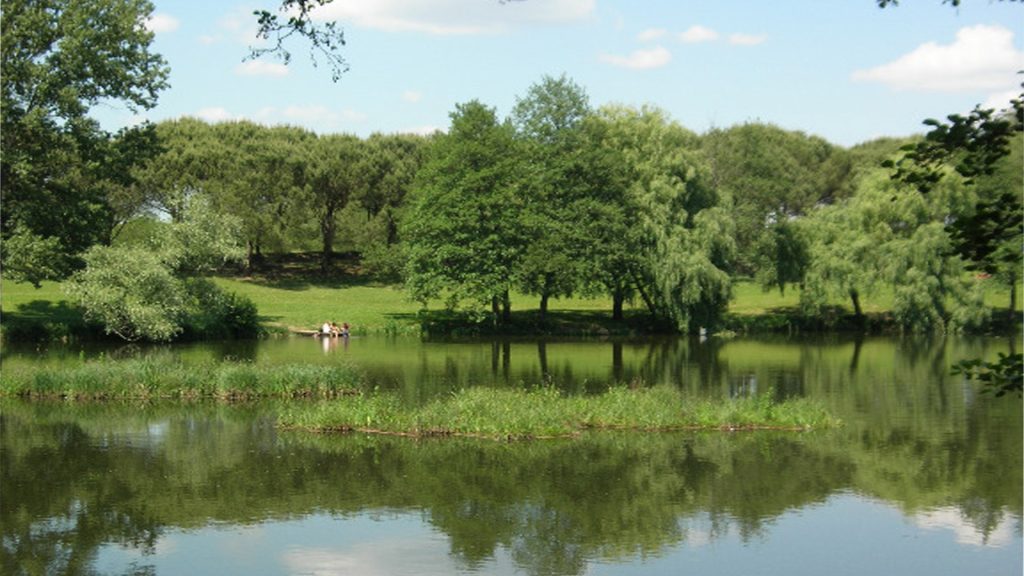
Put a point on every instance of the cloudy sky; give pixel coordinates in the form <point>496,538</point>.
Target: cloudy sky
<point>841,69</point>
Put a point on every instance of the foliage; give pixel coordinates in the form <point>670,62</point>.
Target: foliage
<point>59,59</point>
<point>1002,377</point>
<point>558,191</point>
<point>147,293</point>
<point>888,235</point>
<point>326,38</point>
<point>463,230</point>
<point>771,176</point>
<point>33,259</point>
<point>130,291</point>
<point>678,236</point>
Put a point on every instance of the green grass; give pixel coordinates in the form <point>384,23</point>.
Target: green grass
<point>298,303</point>
<point>164,378</point>
<point>546,413</point>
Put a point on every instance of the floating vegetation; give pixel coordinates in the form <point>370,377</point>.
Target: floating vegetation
<point>163,378</point>
<point>546,413</point>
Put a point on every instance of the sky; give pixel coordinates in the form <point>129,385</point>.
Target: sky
<point>843,70</point>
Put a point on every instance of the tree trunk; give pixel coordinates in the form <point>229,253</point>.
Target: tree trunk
<point>643,294</point>
<point>495,310</point>
<point>1012,312</point>
<point>506,308</point>
<point>543,307</point>
<point>328,229</point>
<point>250,250</point>
<point>858,313</point>
<point>617,301</point>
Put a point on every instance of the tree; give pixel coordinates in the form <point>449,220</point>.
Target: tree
<point>154,291</point>
<point>679,244</point>
<point>58,59</point>
<point>889,235</point>
<point>558,187</point>
<point>977,149</point>
<point>336,175</point>
<point>771,176</point>
<point>260,175</point>
<point>463,231</point>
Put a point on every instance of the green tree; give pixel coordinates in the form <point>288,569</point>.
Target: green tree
<point>392,162</point>
<point>678,247</point>
<point>261,173</point>
<point>888,235</point>
<point>58,59</point>
<point>335,176</point>
<point>154,291</point>
<point>771,176</point>
<point>557,189</point>
<point>462,230</point>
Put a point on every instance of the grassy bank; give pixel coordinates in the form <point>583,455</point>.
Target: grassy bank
<point>546,413</point>
<point>153,379</point>
<point>303,302</point>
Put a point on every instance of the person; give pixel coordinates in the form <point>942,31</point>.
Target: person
<point>335,331</point>
<point>325,330</point>
<point>344,330</point>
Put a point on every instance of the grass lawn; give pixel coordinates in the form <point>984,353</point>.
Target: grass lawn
<point>298,304</point>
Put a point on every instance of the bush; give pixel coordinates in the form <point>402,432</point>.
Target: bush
<point>215,314</point>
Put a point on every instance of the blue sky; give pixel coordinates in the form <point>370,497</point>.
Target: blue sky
<point>841,69</point>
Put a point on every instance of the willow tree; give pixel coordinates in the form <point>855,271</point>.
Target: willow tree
<point>462,229</point>
<point>678,244</point>
<point>888,235</point>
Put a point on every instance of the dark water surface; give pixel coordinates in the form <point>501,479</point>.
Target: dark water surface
<point>924,477</point>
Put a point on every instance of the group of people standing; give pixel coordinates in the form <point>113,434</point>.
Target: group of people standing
<point>331,329</point>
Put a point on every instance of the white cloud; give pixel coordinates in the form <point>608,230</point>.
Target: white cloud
<point>966,532</point>
<point>981,58</point>
<point>412,96</point>
<point>158,23</point>
<point>747,39</point>
<point>423,130</point>
<point>651,34</point>
<point>261,68</point>
<point>695,34</point>
<point>215,114</point>
<point>1000,100</point>
<point>640,59</point>
<point>453,17</point>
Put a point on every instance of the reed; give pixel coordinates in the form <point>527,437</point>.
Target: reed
<point>546,413</point>
<point>156,378</point>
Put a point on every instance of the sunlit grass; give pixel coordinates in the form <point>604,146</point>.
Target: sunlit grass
<point>157,378</point>
<point>546,413</point>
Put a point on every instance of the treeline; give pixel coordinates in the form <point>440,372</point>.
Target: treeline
<point>562,199</point>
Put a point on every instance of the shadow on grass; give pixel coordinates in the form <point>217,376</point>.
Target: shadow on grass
<point>46,320</point>
<point>448,324</point>
<point>302,271</point>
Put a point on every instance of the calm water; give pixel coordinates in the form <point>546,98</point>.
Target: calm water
<point>925,477</point>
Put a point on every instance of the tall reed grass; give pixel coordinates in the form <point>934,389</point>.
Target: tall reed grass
<point>155,378</point>
<point>545,412</point>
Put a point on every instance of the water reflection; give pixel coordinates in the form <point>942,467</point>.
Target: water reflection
<point>926,475</point>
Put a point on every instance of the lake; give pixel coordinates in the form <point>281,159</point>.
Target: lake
<point>924,477</point>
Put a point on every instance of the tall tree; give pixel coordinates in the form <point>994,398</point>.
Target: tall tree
<point>335,176</point>
<point>463,226</point>
<point>771,176</point>
<point>58,59</point>
<point>679,234</point>
<point>558,185</point>
<point>889,235</point>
